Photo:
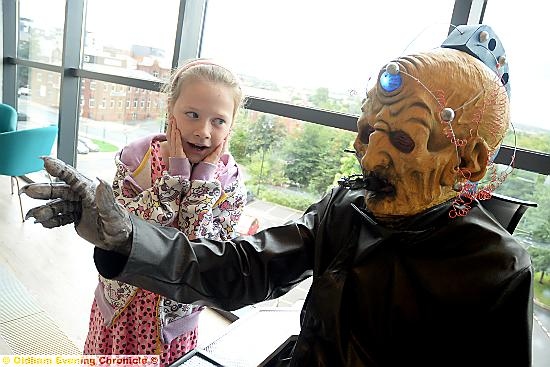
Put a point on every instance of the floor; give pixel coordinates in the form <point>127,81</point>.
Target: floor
<point>47,281</point>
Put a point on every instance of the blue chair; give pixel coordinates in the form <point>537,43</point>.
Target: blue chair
<point>8,118</point>
<point>22,151</point>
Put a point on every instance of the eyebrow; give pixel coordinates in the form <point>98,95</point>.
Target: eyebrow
<point>415,104</point>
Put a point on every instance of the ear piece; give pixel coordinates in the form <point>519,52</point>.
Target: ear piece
<point>474,158</point>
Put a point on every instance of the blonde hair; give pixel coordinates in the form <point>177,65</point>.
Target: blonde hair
<point>207,70</point>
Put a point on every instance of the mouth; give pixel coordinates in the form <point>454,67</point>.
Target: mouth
<point>378,186</point>
<point>197,147</point>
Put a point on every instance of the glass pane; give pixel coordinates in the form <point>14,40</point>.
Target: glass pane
<point>288,163</point>
<point>38,97</point>
<point>40,36</point>
<point>319,53</point>
<point>123,37</point>
<point>111,116</point>
<point>529,74</point>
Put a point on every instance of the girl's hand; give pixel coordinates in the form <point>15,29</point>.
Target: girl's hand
<point>173,135</point>
<point>214,157</point>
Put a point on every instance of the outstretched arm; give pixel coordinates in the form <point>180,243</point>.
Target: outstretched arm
<point>92,208</point>
<point>163,260</point>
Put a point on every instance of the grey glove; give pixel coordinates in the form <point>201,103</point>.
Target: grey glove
<point>98,218</point>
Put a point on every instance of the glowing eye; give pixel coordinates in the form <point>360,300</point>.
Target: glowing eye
<point>390,82</point>
<point>402,141</point>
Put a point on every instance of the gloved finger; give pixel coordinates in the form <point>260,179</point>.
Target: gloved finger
<point>49,191</point>
<point>58,221</point>
<point>115,222</point>
<point>79,183</point>
<point>53,209</point>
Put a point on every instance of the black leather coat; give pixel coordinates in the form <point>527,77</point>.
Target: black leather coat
<point>436,292</point>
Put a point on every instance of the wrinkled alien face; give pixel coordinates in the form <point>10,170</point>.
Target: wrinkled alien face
<point>401,146</point>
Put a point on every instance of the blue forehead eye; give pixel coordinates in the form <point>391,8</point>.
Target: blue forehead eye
<point>390,82</point>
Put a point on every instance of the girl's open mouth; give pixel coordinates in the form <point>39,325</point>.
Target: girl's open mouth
<point>198,148</point>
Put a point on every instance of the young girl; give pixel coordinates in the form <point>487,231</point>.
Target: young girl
<point>184,179</point>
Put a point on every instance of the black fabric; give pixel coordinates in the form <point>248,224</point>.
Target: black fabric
<point>432,291</point>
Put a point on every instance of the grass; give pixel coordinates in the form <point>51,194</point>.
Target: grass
<point>104,146</point>
<point>542,291</point>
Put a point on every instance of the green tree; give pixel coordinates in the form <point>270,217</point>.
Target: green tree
<point>313,156</point>
<point>538,141</point>
<point>321,99</point>
<point>349,165</point>
<point>253,135</point>
<point>238,144</point>
<point>540,257</point>
<point>538,221</point>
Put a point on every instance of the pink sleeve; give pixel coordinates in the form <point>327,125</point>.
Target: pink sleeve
<point>179,167</point>
<point>203,171</point>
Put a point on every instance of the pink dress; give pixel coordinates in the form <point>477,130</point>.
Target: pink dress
<point>144,322</point>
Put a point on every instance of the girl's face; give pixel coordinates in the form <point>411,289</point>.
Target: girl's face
<point>203,114</point>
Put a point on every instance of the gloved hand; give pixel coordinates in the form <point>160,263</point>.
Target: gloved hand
<point>98,218</point>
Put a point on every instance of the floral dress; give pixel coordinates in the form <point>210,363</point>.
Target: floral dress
<point>128,320</point>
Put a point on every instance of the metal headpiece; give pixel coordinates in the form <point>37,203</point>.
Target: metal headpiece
<point>481,42</point>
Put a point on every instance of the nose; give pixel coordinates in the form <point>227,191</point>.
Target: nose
<point>202,129</point>
<point>375,159</point>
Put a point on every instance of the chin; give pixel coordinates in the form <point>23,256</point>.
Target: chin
<point>193,159</point>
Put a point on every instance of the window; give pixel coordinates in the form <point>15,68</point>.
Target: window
<point>284,52</point>
<point>529,75</point>
<point>41,37</point>
<point>279,168</point>
<point>38,98</point>
<point>112,128</point>
<point>149,39</point>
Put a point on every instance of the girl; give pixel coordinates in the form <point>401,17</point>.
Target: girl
<point>185,179</point>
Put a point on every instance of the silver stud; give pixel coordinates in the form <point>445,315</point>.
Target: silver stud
<point>392,68</point>
<point>447,114</point>
<point>502,60</point>
<point>458,186</point>
<point>483,36</point>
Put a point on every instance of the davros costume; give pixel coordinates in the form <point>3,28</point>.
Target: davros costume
<point>437,291</point>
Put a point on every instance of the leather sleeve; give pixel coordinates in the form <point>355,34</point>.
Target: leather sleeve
<point>227,274</point>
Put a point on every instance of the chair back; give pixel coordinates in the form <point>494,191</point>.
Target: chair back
<point>507,210</point>
<point>22,150</point>
<point>8,118</point>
